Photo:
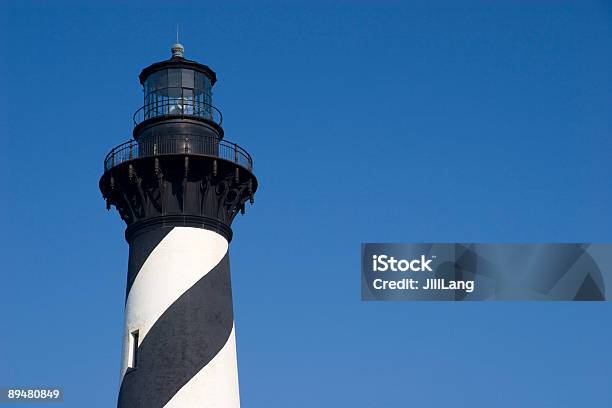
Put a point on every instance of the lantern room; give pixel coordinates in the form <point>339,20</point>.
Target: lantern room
<point>177,87</point>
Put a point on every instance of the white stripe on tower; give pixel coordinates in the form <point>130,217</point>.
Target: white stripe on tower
<point>180,305</point>
<point>212,383</point>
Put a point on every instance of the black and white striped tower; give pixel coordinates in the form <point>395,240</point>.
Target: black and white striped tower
<point>178,185</point>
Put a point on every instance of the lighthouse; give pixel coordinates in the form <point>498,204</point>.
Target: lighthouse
<point>178,184</point>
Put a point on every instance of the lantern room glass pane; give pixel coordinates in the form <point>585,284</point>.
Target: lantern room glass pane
<point>187,78</point>
<point>187,101</point>
<point>199,81</point>
<point>157,80</point>
<point>174,78</point>
<point>202,83</point>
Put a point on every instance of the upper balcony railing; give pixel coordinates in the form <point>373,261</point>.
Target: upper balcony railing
<point>178,106</point>
<point>179,144</point>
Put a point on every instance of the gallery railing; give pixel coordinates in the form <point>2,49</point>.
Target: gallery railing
<point>178,144</point>
<point>178,106</point>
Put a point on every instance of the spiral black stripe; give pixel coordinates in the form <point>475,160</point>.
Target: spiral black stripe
<point>141,247</point>
<point>188,335</point>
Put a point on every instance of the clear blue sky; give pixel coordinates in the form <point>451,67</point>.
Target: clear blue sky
<point>488,121</point>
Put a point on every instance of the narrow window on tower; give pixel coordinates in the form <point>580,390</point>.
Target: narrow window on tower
<point>133,351</point>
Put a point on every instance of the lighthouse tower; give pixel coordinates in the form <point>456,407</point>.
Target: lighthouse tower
<point>178,185</point>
